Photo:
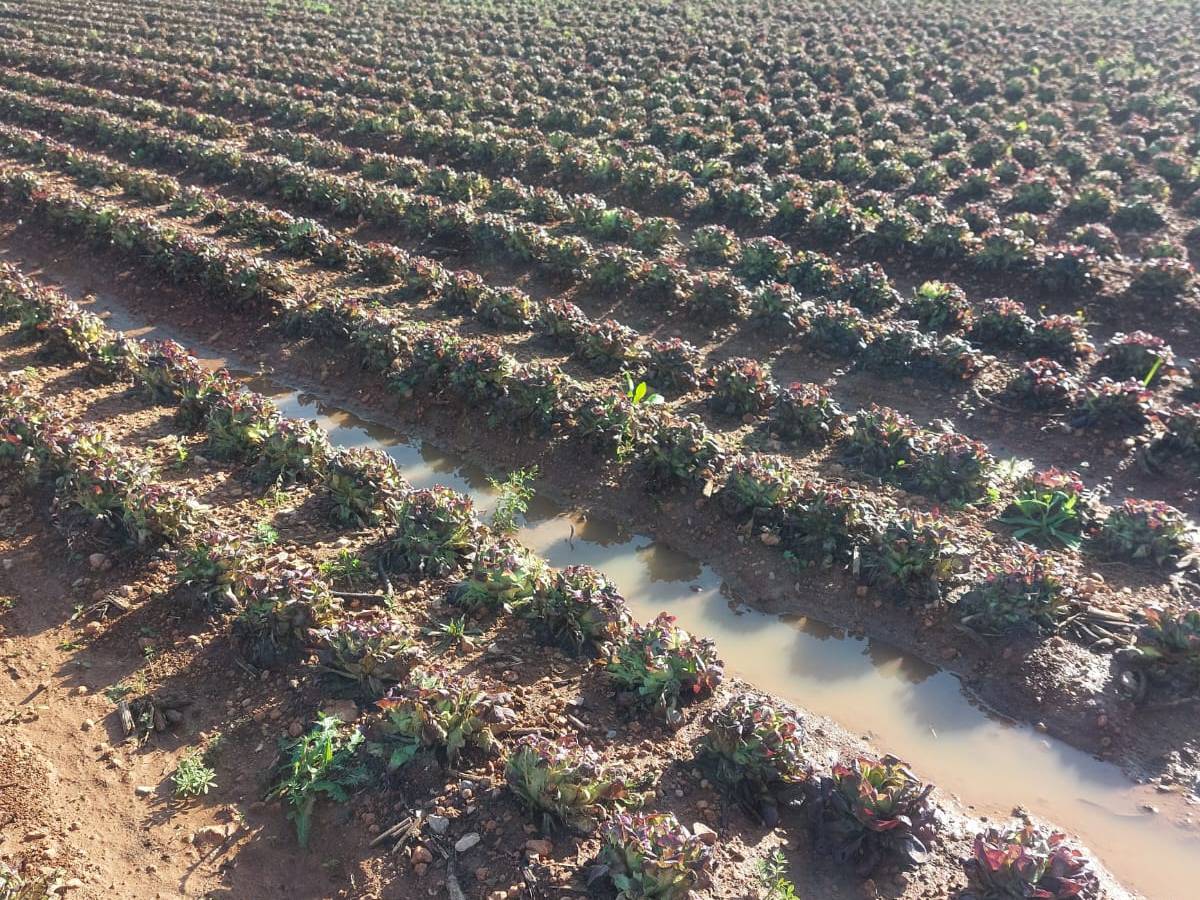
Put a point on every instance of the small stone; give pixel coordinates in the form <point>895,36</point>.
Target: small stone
<point>438,824</point>
<point>87,725</point>
<point>92,629</point>
<point>421,855</point>
<point>539,847</point>
<point>36,834</point>
<point>295,729</point>
<point>466,842</point>
<point>99,561</point>
<point>144,790</point>
<point>704,833</point>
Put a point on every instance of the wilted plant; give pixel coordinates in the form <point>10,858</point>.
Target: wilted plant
<point>740,387</point>
<point>1049,508</point>
<point>1138,356</point>
<point>1122,405</point>
<point>430,531</point>
<point>375,653</point>
<point>682,451</point>
<point>1169,644</point>
<point>662,666</point>
<point>320,762</point>
<point>651,856</point>
<point>447,715</point>
<point>504,576</point>
<point>1028,862</point>
<point>1148,530</point>
<point>1044,384</point>
<point>563,783</point>
<point>281,607</point>
<point>579,608</point>
<point>805,412</point>
<point>755,752</point>
<point>216,570</point>
<point>1024,592</point>
<point>358,483</point>
<point>870,810</point>
<point>913,558</point>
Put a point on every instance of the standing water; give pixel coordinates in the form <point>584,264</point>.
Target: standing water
<point>902,704</point>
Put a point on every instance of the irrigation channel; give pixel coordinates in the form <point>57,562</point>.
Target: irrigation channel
<point>903,704</point>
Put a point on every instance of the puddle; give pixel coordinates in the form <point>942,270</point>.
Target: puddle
<point>903,705</point>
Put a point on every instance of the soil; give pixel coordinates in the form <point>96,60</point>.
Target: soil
<point>1065,688</point>
<point>87,625</point>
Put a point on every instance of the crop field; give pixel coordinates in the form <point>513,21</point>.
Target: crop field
<point>554,449</point>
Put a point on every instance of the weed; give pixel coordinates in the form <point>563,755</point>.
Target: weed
<point>320,763</point>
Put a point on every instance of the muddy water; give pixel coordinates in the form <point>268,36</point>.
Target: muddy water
<point>903,705</point>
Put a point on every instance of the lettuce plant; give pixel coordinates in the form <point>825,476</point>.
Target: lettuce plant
<point>805,412</point>
<point>563,783</point>
<point>215,571</point>
<point>1148,530</point>
<point>1023,592</point>
<point>662,666</point>
<point>1028,862</point>
<point>1139,356</point>
<point>281,609</point>
<point>939,306</point>
<point>740,387</point>
<point>682,451</point>
<point>578,607</point>
<point>431,531</point>
<point>435,711</point>
<point>870,810</point>
<point>1169,644</point>
<point>504,576</point>
<point>358,483</point>
<point>1044,384</point>
<point>375,653</point>
<point>651,856</point>
<point>755,752</point>
<point>912,558</point>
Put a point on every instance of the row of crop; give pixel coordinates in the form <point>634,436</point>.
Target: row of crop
<point>1001,247</point>
<point>753,751</point>
<point>1120,400</point>
<point>838,329</point>
<point>982,152</point>
<point>828,525</point>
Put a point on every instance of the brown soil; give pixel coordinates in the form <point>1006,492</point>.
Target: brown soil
<point>1061,685</point>
<point>81,631</point>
